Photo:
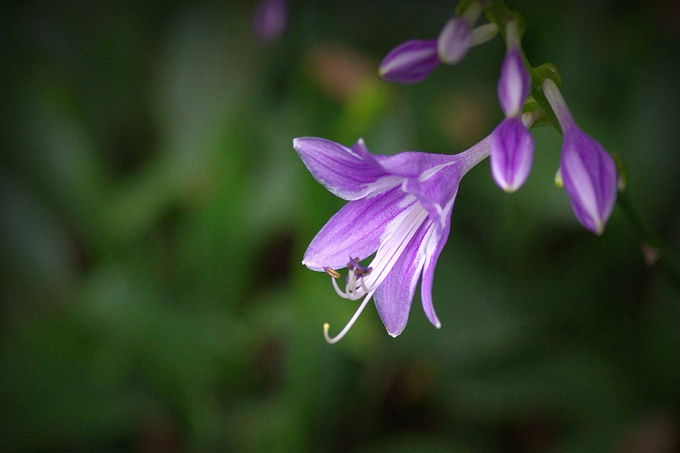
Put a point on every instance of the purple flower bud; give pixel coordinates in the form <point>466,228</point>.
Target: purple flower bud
<point>270,20</point>
<point>512,153</point>
<point>590,179</point>
<point>410,62</point>
<point>588,171</point>
<point>513,84</point>
<point>454,41</point>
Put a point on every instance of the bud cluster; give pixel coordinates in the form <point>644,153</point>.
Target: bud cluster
<point>587,171</point>
<point>412,61</point>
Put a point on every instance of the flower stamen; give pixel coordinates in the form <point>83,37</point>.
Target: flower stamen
<point>332,272</point>
<point>349,325</point>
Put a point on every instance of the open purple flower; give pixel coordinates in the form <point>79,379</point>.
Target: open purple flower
<point>588,171</point>
<point>400,209</point>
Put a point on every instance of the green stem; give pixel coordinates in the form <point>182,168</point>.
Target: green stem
<point>652,238</point>
<point>497,11</point>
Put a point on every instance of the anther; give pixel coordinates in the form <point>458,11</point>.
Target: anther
<point>332,272</point>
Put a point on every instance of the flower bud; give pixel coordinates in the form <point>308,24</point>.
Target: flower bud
<point>512,153</point>
<point>454,41</point>
<point>457,37</point>
<point>270,20</point>
<point>513,84</point>
<point>588,171</point>
<point>590,179</point>
<point>410,62</point>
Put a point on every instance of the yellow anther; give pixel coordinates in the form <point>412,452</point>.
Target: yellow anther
<point>559,182</point>
<point>332,272</point>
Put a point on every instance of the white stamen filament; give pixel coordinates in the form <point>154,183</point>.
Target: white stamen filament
<point>341,293</point>
<point>349,325</point>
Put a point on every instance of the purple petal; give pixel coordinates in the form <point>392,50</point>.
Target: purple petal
<point>356,229</point>
<point>437,186</point>
<point>270,20</point>
<point>339,169</point>
<point>412,164</point>
<point>437,193</point>
<point>454,41</point>
<point>512,153</point>
<point>394,296</point>
<point>432,252</point>
<point>590,179</point>
<point>513,84</point>
<point>410,62</point>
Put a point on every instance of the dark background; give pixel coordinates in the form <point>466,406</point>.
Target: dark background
<point>154,215</point>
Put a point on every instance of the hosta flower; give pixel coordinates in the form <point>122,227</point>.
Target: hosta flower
<point>512,146</point>
<point>588,171</point>
<point>399,208</point>
<point>270,19</point>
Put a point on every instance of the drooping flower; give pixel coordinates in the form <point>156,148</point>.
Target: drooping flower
<point>588,171</point>
<point>269,20</point>
<point>399,208</point>
<point>512,146</point>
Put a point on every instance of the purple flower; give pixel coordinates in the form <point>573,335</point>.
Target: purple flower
<point>512,153</point>
<point>410,62</point>
<point>270,20</point>
<point>588,171</point>
<point>399,208</point>
<point>456,38</point>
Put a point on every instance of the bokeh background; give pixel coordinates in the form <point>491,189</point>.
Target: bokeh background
<point>154,216</point>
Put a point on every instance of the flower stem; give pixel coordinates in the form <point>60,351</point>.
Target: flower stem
<point>497,11</point>
<point>652,238</point>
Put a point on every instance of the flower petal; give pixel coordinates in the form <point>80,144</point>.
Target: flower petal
<point>432,252</point>
<point>339,169</point>
<point>437,193</point>
<point>357,229</point>
<point>394,296</point>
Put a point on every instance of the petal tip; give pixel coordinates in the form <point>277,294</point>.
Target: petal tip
<point>394,333</point>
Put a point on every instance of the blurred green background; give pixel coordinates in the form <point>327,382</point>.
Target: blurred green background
<point>154,216</point>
